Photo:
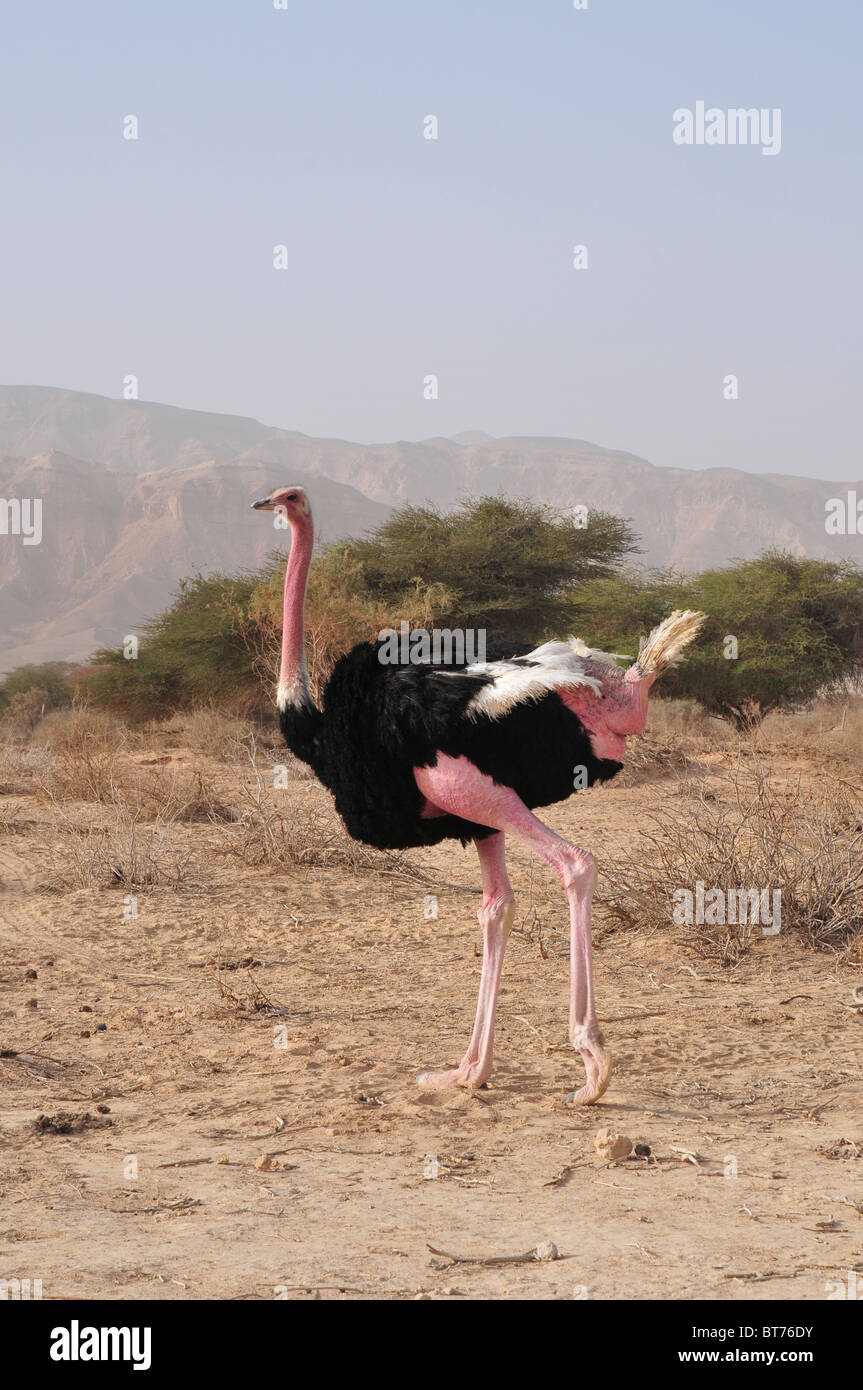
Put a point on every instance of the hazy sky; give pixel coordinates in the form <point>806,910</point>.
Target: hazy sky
<point>453,256</point>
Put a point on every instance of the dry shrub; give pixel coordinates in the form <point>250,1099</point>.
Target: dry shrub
<point>126,853</point>
<point>683,724</point>
<point>70,730</point>
<point>298,835</point>
<point>83,761</point>
<point>21,767</point>
<point>173,794</point>
<point>831,726</point>
<point>752,832</point>
<point>241,1000</point>
<point>677,732</point>
<point>85,745</point>
<point>210,731</point>
<point>648,757</point>
<point>24,711</point>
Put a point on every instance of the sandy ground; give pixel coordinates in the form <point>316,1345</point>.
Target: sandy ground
<point>237,1152</point>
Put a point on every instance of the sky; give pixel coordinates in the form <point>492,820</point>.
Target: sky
<point>451,257</point>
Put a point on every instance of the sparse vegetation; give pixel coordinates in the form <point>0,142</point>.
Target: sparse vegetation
<point>126,853</point>
<point>747,830</point>
<point>211,732</point>
<point>299,835</point>
<point>82,746</point>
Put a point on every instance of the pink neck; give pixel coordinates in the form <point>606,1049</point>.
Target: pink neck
<point>293,677</point>
<point>621,711</point>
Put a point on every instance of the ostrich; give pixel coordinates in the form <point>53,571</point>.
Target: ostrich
<point>418,753</point>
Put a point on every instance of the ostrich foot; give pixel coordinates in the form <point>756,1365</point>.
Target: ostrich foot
<point>467,1073</point>
<point>597,1064</point>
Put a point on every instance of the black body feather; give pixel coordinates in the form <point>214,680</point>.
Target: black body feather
<point>380,721</point>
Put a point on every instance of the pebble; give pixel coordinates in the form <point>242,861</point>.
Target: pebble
<point>610,1144</point>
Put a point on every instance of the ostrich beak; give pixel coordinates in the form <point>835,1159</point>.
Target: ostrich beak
<point>264,505</point>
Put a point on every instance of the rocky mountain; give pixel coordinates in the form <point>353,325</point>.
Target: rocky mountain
<point>136,495</point>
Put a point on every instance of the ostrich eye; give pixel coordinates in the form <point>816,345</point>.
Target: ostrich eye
<point>292,497</point>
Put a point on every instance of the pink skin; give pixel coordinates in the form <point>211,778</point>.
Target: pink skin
<point>495,918</point>
<point>621,711</point>
<point>302,541</point>
<point>455,787</point>
<point>292,502</point>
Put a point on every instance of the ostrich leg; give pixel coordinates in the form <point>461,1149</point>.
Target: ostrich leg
<point>455,786</point>
<point>495,918</point>
<point>584,1034</point>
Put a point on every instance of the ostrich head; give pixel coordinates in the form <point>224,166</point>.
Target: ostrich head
<point>292,502</point>
<point>622,710</point>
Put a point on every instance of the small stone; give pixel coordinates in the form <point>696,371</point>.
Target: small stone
<point>30,975</point>
<point>610,1144</point>
<point>263,1163</point>
<point>642,1151</point>
<point>547,1250</point>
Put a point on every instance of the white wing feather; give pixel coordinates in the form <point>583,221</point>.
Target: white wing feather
<point>557,666</point>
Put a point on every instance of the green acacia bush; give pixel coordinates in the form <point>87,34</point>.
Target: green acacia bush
<point>797,626</point>
<point>493,563</point>
<point>30,688</point>
<point>193,653</point>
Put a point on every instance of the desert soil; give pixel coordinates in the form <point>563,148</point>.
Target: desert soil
<point>246,1050</point>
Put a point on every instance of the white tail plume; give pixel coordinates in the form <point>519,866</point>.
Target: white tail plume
<point>666,643</point>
